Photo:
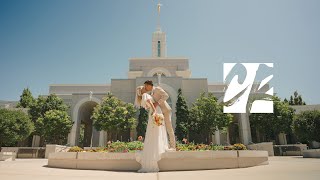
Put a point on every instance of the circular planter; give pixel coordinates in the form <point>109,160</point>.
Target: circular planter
<point>170,161</point>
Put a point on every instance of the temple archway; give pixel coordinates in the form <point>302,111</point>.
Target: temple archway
<point>80,116</point>
<point>160,70</point>
<point>87,133</point>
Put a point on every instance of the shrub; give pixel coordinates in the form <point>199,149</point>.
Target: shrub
<point>306,126</point>
<point>75,149</point>
<point>239,147</point>
<point>15,126</point>
<point>135,145</point>
<point>117,146</point>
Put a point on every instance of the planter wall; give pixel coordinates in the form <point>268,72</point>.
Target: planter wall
<point>311,153</point>
<point>171,161</point>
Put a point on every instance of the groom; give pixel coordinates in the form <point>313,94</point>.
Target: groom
<point>160,97</point>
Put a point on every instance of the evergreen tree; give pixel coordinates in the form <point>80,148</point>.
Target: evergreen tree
<point>296,99</point>
<point>182,117</point>
<point>142,122</point>
<point>26,99</point>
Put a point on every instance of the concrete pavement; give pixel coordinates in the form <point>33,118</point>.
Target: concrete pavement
<point>279,168</point>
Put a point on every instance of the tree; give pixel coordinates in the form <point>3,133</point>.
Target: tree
<point>56,125</point>
<point>182,117</point>
<point>296,99</point>
<point>207,116</point>
<point>26,99</point>
<point>113,115</point>
<point>130,114</point>
<point>38,111</point>
<point>142,122</point>
<point>271,124</point>
<point>37,108</point>
<point>41,106</point>
<point>14,126</point>
<point>306,126</point>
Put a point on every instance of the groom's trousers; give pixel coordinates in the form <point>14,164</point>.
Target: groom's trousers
<point>167,121</point>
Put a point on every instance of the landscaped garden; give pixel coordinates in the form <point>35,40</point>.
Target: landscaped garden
<point>134,146</point>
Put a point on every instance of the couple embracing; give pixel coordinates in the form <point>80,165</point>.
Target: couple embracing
<point>156,142</point>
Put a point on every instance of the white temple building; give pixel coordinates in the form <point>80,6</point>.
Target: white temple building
<point>169,72</point>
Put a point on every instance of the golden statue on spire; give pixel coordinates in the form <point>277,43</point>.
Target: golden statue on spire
<point>158,7</point>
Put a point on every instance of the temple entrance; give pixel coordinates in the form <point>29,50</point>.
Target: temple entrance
<point>87,133</point>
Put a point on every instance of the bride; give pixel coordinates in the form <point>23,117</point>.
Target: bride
<point>156,140</point>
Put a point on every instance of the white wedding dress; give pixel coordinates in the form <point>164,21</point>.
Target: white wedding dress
<point>155,141</point>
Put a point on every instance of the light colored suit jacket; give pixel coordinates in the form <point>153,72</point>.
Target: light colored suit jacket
<point>160,96</point>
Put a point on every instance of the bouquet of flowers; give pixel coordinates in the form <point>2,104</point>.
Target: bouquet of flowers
<point>158,119</point>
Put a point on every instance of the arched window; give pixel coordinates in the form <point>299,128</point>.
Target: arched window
<point>156,75</point>
<point>159,48</point>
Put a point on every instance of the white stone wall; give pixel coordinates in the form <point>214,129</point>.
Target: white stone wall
<point>61,89</point>
<point>148,64</point>
<point>301,108</point>
<point>192,88</point>
<point>124,89</point>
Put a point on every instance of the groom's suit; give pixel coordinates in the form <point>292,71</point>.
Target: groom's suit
<point>160,96</point>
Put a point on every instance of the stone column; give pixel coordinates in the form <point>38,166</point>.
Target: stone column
<point>102,138</point>
<point>217,137</point>
<point>133,135</point>
<point>95,137</point>
<point>244,125</point>
<point>228,138</point>
<point>282,139</point>
<point>35,141</point>
<point>73,134</point>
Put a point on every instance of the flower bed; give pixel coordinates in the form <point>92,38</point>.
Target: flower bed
<point>134,146</point>
<point>124,156</point>
<point>122,147</point>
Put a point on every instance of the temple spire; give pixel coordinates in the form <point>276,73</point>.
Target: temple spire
<point>159,45</point>
<point>158,9</point>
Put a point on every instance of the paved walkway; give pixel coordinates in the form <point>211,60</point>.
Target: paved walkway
<point>293,168</point>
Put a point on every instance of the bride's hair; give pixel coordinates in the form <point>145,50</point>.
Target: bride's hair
<point>137,101</point>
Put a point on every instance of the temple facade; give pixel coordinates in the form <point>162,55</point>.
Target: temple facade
<point>171,73</point>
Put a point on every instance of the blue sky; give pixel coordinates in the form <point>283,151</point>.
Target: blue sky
<point>46,42</point>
